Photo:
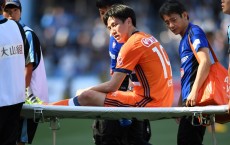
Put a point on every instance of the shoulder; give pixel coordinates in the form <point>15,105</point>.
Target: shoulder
<point>196,30</point>
<point>12,24</point>
<point>26,28</point>
<point>141,39</point>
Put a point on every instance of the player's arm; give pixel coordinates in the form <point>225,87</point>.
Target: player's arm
<point>28,73</point>
<point>112,85</point>
<point>202,74</point>
<point>29,60</point>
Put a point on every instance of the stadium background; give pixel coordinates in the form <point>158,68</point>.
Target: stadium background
<point>74,43</point>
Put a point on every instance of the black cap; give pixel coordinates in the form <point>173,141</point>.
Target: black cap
<point>13,4</point>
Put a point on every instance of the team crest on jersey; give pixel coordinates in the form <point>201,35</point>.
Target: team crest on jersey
<point>148,41</point>
<point>119,60</point>
<point>114,44</point>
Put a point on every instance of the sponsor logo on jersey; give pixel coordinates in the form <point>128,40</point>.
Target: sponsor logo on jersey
<point>112,56</point>
<point>10,50</point>
<point>148,41</point>
<point>195,43</point>
<point>184,59</point>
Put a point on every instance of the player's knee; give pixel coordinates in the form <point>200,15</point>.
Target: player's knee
<point>85,98</point>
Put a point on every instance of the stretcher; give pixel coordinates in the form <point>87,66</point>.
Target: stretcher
<point>52,114</point>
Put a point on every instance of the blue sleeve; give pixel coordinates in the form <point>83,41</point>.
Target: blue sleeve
<point>228,33</point>
<point>114,48</point>
<point>198,38</point>
<point>30,58</point>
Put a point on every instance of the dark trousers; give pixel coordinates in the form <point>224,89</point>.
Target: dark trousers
<point>9,123</point>
<point>110,132</point>
<point>30,126</point>
<point>189,134</point>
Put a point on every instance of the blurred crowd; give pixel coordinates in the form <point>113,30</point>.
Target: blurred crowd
<point>75,42</point>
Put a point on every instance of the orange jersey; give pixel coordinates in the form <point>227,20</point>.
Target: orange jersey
<point>145,59</point>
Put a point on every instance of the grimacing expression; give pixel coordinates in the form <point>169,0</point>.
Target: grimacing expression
<point>118,29</point>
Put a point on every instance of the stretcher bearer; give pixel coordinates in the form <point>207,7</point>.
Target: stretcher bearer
<point>193,74</point>
<point>12,79</point>
<point>35,74</point>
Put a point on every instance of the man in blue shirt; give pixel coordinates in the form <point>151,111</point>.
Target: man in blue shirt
<point>193,74</point>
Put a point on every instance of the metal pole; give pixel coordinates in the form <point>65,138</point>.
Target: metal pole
<point>54,125</point>
<point>212,119</point>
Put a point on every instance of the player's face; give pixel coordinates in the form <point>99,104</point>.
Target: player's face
<point>176,23</point>
<point>225,4</point>
<point>12,13</point>
<point>102,12</point>
<point>118,29</point>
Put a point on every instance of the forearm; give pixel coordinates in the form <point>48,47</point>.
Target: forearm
<point>179,104</point>
<point>201,76</point>
<point>28,74</point>
<point>104,88</point>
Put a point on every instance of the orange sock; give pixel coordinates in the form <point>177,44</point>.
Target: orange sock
<point>61,103</point>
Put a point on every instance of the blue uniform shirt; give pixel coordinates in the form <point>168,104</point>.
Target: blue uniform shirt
<point>189,64</point>
<point>228,38</point>
<point>114,48</point>
<point>34,54</point>
<point>1,17</point>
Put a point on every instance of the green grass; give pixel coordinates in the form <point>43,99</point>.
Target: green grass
<point>79,132</point>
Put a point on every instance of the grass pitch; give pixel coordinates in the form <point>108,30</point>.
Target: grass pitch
<point>79,132</point>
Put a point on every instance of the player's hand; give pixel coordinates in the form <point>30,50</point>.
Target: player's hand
<point>191,100</point>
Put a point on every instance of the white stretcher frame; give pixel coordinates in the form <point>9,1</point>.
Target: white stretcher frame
<point>52,114</point>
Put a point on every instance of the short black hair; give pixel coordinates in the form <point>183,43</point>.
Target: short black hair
<point>2,4</point>
<point>121,12</point>
<point>107,3</point>
<point>172,7</point>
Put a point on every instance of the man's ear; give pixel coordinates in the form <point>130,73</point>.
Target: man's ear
<point>185,15</point>
<point>129,21</point>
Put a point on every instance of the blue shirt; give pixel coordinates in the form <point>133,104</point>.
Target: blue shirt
<point>189,64</point>
<point>114,48</point>
<point>34,53</point>
<point>1,17</point>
